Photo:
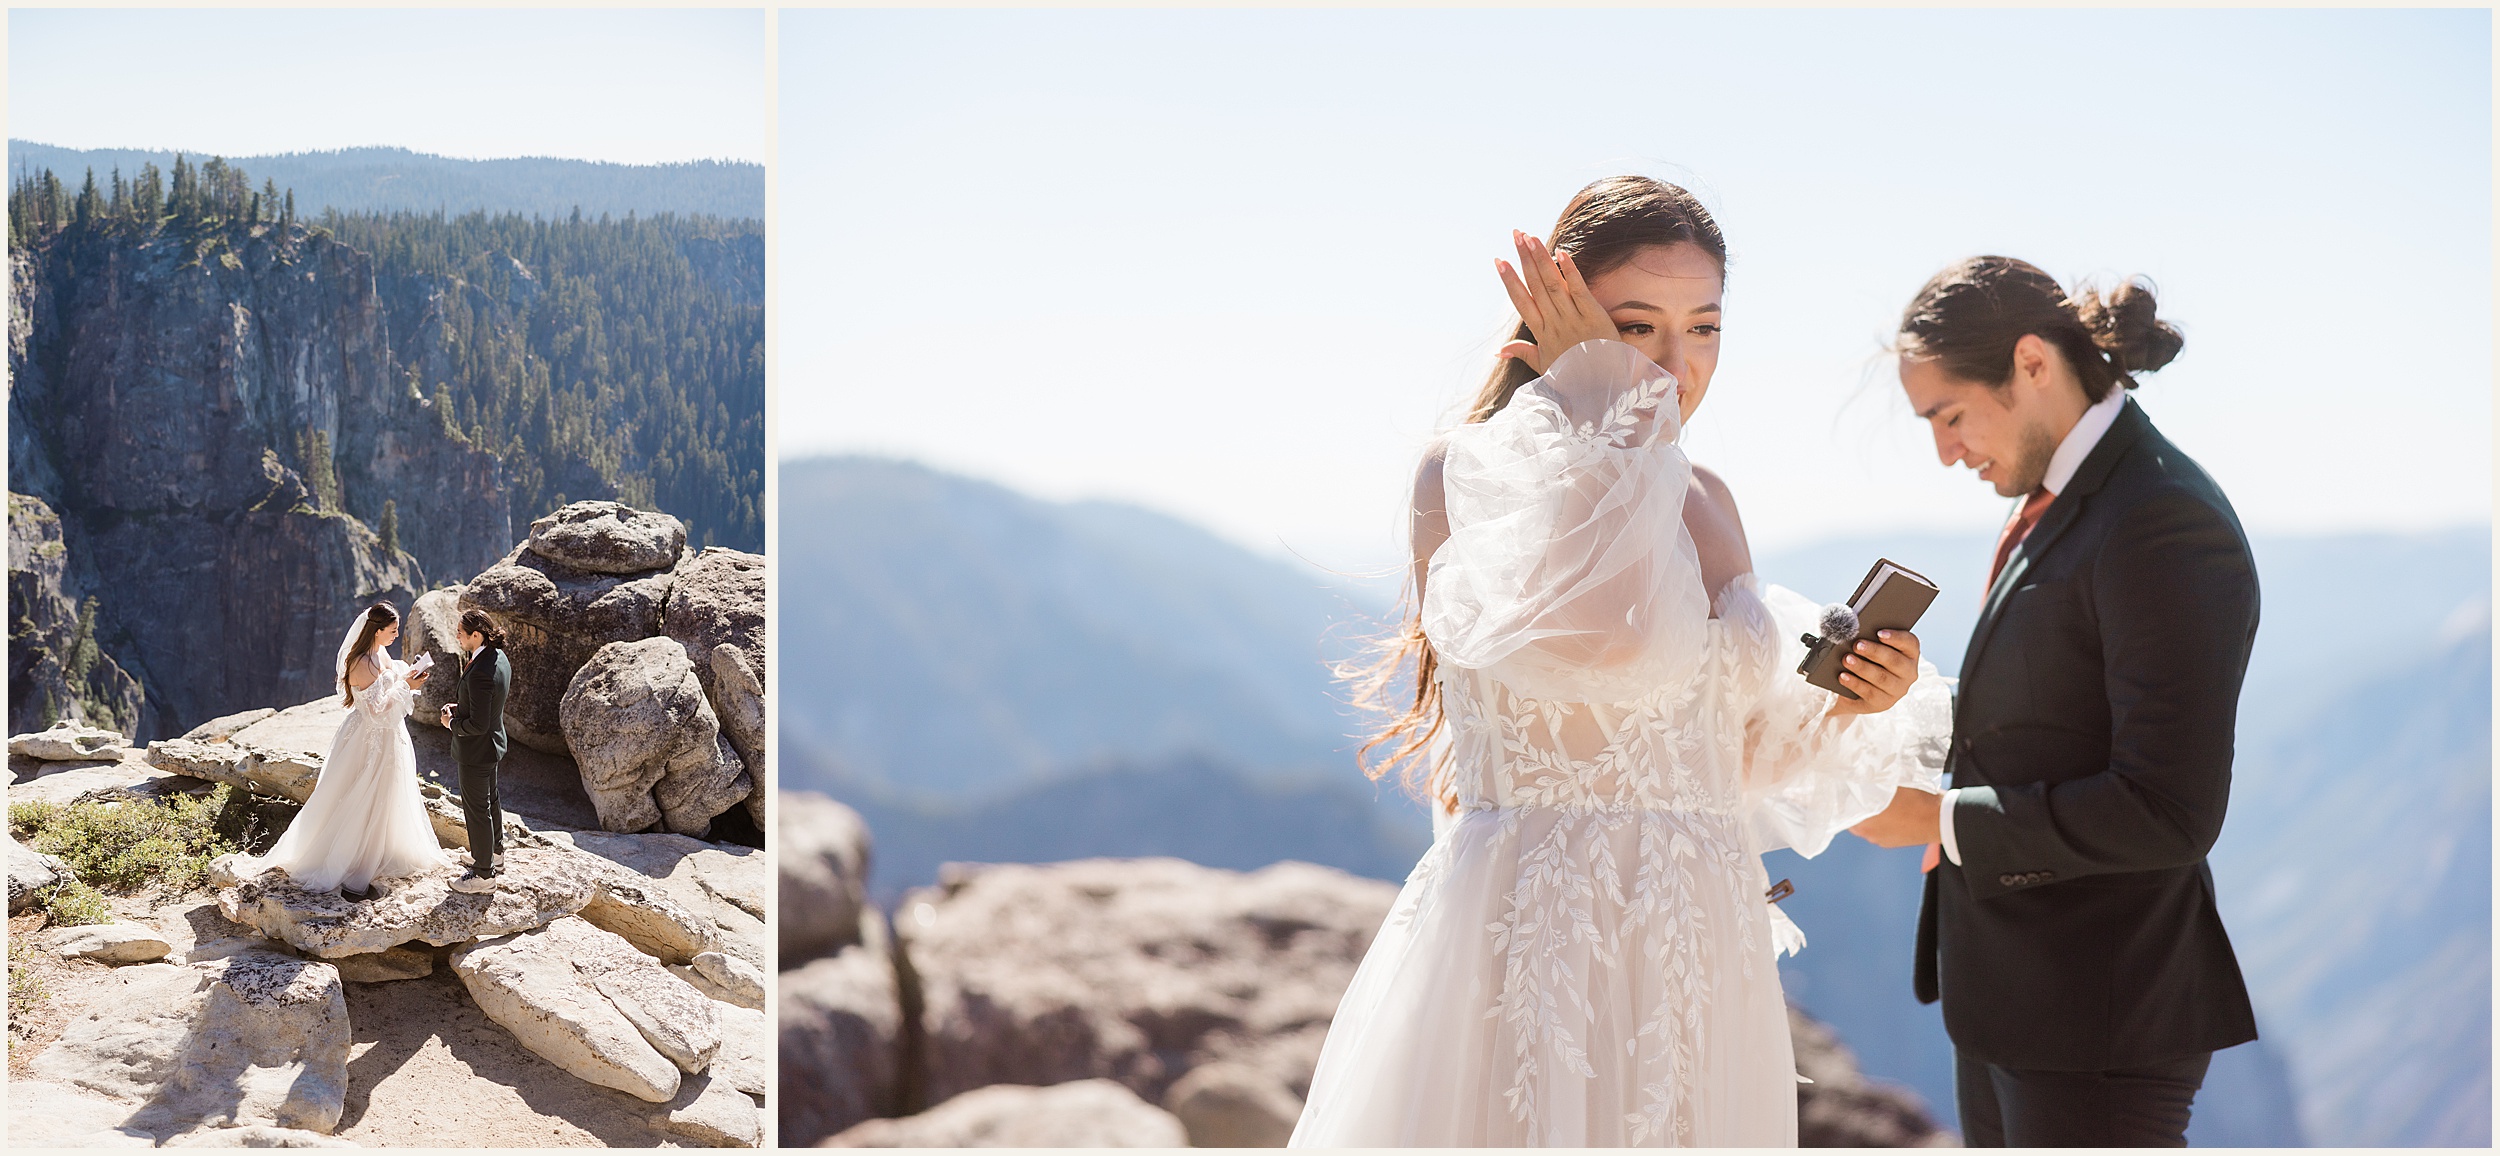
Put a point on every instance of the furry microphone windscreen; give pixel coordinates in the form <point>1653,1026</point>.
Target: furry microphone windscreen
<point>1840,624</point>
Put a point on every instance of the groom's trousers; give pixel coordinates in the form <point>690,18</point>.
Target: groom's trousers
<point>482,810</point>
<point>2141,1107</point>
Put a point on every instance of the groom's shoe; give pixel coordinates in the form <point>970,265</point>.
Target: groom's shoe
<point>473,883</point>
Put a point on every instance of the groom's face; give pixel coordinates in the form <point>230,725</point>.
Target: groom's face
<point>2002,433</point>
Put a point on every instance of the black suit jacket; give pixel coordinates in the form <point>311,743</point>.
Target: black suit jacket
<point>2092,741</point>
<point>477,735</point>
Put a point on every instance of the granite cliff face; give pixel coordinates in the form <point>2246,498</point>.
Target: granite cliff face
<point>57,667</point>
<point>218,418</point>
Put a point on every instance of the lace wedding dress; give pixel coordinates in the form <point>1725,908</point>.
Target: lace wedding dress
<point>1585,957</point>
<point>365,820</point>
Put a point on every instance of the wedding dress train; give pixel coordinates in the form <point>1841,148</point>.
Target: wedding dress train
<point>366,819</point>
<point>1585,956</point>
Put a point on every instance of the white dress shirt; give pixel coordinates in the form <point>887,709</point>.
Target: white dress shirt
<point>2062,466</point>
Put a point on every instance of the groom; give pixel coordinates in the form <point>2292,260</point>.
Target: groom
<point>2069,921</point>
<point>475,719</point>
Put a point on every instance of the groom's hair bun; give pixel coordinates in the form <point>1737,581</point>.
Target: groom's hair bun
<point>475,621</point>
<point>2123,324</point>
<point>1969,317</point>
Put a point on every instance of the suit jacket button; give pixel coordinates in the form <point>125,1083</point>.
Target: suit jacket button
<point>2045,876</point>
<point>2008,880</point>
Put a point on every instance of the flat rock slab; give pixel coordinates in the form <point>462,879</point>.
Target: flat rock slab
<point>1080,1114</point>
<point>223,727</point>
<point>67,741</point>
<point>105,943</point>
<point>718,884</point>
<point>43,1114</point>
<point>741,983</point>
<point>311,726</point>
<point>63,784</point>
<point>253,1038</point>
<point>542,987</point>
<point>537,886</point>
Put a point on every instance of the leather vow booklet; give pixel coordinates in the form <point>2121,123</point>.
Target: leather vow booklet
<point>1892,597</point>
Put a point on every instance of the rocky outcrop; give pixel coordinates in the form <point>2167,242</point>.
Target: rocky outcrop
<point>647,741</point>
<point>587,1002</point>
<point>31,871</point>
<point>714,883</point>
<point>236,420</point>
<point>557,617</point>
<point>536,887</point>
<point>65,784</point>
<point>1135,970</point>
<point>284,773</point>
<point>1844,1109</point>
<point>433,627</point>
<point>716,610</point>
<point>824,850</point>
<point>844,1041</point>
<point>254,1038</point>
<point>1079,1114</point>
<point>43,1114</point>
<point>730,979</point>
<point>609,538</point>
<point>58,668</point>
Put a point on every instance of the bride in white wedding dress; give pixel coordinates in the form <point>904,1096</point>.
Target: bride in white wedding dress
<point>365,820</point>
<point>1585,957</point>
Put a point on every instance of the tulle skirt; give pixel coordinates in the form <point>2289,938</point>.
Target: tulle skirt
<point>1566,977</point>
<point>365,820</point>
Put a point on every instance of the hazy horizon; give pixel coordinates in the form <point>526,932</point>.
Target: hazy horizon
<point>1235,265</point>
<point>626,85</point>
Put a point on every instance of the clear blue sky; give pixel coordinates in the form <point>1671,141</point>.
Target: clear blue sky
<point>1235,265</point>
<point>629,85</point>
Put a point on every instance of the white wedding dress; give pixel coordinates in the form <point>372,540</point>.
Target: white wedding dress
<point>365,820</point>
<point>1585,957</point>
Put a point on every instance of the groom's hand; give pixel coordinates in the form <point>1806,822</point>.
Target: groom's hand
<point>1911,820</point>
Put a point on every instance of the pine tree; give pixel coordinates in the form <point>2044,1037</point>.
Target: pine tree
<point>389,530</point>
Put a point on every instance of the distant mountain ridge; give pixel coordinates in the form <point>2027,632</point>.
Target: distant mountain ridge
<point>382,179</point>
<point>2372,668</point>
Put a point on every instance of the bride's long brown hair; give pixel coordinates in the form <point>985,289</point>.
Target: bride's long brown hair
<point>1605,224</point>
<point>377,616</point>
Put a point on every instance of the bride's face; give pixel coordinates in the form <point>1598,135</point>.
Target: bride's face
<point>1665,303</point>
<point>383,638</point>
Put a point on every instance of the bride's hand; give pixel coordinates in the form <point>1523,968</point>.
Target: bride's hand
<point>418,679</point>
<point>1553,301</point>
<point>1879,671</point>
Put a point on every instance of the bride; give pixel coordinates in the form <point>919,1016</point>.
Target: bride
<point>365,820</point>
<point>1585,957</point>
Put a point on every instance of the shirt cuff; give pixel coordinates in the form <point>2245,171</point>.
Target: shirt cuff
<point>1944,827</point>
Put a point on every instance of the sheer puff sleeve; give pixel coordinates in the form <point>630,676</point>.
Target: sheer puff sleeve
<point>1568,573</point>
<point>388,693</point>
<point>1811,774</point>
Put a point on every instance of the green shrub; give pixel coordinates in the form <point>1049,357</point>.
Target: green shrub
<point>25,987</point>
<point>166,842</point>
<point>74,903</point>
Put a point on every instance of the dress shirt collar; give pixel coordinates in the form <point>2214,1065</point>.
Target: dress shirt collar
<point>2080,440</point>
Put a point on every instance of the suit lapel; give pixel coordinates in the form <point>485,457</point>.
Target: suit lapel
<point>2054,522</point>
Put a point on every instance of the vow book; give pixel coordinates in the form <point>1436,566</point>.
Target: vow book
<point>424,662</point>
<point>1892,597</point>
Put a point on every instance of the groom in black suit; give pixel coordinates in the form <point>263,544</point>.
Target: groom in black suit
<point>475,718</point>
<point>2069,922</point>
